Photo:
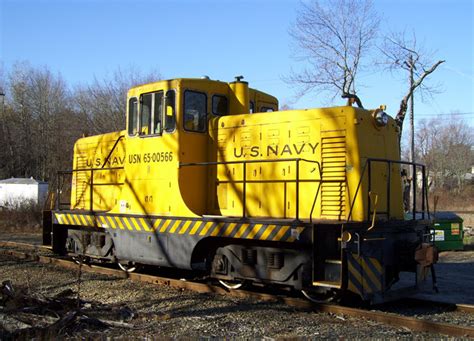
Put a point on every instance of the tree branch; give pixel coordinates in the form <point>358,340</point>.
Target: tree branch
<point>400,117</point>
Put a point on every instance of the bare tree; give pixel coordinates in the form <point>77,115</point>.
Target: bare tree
<point>285,106</point>
<point>40,123</point>
<point>334,38</point>
<point>41,120</point>
<point>6,153</point>
<point>406,55</point>
<point>102,103</point>
<point>445,147</point>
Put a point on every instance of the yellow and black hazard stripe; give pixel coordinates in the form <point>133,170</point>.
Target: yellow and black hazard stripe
<point>183,226</point>
<point>365,275</point>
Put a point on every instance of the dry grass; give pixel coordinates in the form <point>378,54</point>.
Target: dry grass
<point>452,201</point>
<point>24,218</point>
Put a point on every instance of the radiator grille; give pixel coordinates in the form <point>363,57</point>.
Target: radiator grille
<point>81,182</point>
<point>333,164</point>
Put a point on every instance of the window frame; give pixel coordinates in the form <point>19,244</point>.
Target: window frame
<point>160,114</point>
<point>152,116</point>
<point>136,114</point>
<point>140,111</point>
<point>174,112</point>
<point>264,108</point>
<point>212,104</point>
<point>138,123</point>
<point>184,111</point>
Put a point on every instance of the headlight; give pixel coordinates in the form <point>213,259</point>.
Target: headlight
<point>381,118</point>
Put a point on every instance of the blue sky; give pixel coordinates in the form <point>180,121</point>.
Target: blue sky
<point>222,39</point>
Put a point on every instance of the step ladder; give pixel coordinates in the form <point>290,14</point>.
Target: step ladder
<point>332,274</point>
<point>327,255</point>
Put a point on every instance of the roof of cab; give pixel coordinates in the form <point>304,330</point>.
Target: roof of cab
<point>141,87</point>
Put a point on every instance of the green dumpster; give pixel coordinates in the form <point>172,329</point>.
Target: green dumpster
<point>448,231</point>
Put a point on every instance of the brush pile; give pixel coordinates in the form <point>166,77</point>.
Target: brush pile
<point>27,316</point>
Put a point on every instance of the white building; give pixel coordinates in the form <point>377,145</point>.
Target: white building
<point>17,191</point>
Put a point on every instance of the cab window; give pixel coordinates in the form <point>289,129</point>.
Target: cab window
<point>145,114</point>
<point>266,109</point>
<point>150,114</point>
<point>195,104</point>
<point>219,105</point>
<point>170,115</point>
<point>132,116</point>
<point>252,107</point>
<point>157,112</point>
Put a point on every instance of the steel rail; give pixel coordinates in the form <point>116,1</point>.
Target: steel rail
<point>7,243</point>
<point>391,319</point>
<point>467,308</point>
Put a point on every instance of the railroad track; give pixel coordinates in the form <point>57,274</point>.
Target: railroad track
<point>31,252</point>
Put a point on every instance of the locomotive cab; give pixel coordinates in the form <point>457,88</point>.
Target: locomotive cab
<point>185,110</point>
<point>167,124</point>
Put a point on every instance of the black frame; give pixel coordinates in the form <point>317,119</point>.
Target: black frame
<point>244,181</point>
<point>174,111</point>
<point>162,114</point>
<point>227,105</point>
<point>137,117</point>
<point>151,118</point>
<point>184,113</point>
<point>415,166</point>
<point>60,184</point>
<point>266,109</point>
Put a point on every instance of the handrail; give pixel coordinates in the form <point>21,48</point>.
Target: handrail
<point>415,166</point>
<point>70,171</point>
<point>357,191</point>
<point>111,151</point>
<point>49,201</point>
<point>245,181</point>
<point>213,163</point>
<point>60,175</point>
<point>374,214</point>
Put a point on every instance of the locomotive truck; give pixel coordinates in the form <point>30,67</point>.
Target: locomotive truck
<point>210,177</point>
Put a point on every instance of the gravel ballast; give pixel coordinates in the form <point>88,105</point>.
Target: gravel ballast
<point>152,310</point>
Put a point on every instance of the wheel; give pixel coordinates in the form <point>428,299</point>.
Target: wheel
<point>81,260</point>
<point>333,297</point>
<point>230,286</point>
<point>127,266</point>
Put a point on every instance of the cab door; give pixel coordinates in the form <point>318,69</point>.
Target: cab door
<point>149,163</point>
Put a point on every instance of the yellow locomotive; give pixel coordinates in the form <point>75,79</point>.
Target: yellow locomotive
<point>209,176</point>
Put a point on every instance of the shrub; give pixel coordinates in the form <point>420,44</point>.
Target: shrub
<point>23,217</point>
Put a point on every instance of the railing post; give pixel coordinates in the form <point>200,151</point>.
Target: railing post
<point>297,189</point>
<point>91,194</point>
<point>423,189</point>
<point>388,188</point>
<point>369,173</point>
<point>413,180</point>
<point>244,200</point>
<point>58,192</point>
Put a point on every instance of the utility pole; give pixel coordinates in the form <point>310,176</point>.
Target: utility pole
<point>412,171</point>
<point>412,108</point>
<point>3,112</point>
<point>410,64</point>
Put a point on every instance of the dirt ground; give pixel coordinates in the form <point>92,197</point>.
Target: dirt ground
<point>455,276</point>
<point>145,310</point>
<point>148,310</point>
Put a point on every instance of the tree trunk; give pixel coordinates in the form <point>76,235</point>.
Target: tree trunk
<point>404,103</point>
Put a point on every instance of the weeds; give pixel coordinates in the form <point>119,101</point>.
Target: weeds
<point>25,217</point>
